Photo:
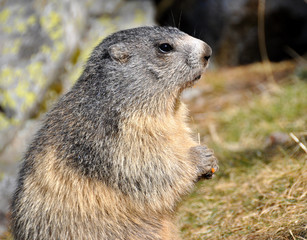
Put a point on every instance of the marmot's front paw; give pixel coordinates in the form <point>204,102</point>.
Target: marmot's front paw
<point>206,162</point>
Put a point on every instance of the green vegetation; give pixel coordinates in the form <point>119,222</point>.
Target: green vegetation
<point>283,111</point>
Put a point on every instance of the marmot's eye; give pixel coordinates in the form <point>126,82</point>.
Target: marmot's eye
<point>165,48</point>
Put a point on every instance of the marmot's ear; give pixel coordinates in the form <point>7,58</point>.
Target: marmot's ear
<point>119,52</point>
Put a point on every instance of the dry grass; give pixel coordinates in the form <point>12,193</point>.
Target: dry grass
<point>261,189</point>
<point>263,202</point>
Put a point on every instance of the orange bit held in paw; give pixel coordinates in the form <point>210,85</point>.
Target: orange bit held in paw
<point>212,170</point>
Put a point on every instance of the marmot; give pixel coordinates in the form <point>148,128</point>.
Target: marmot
<point>115,155</point>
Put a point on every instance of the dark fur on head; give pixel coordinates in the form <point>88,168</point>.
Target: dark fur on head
<point>129,63</point>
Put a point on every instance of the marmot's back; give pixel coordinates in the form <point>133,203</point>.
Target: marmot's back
<point>114,156</point>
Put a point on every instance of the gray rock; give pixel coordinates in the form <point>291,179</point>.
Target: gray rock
<point>99,8</point>
<point>7,187</point>
<point>35,42</point>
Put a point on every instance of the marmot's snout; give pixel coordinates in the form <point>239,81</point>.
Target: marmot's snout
<point>207,53</point>
<point>200,52</point>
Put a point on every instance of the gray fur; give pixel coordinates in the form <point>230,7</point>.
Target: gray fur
<point>101,132</point>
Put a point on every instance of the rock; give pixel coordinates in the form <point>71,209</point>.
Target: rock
<point>231,27</point>
<point>7,187</point>
<point>14,151</point>
<point>277,138</point>
<point>35,42</point>
<point>99,8</point>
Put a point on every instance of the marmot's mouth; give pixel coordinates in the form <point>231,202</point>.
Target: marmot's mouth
<point>190,83</point>
<point>197,78</point>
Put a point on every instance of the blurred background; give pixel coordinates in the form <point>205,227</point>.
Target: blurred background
<point>258,48</point>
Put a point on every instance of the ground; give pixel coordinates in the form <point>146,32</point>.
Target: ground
<point>252,117</point>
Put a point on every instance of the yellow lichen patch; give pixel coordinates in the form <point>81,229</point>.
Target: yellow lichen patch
<point>8,100</point>
<point>29,100</point>
<point>56,33</point>
<point>51,21</point>
<point>46,49</point>
<point>21,27</point>
<point>83,56</point>
<point>16,46</point>
<point>18,73</point>
<point>22,89</point>
<point>52,24</point>
<point>6,76</point>
<point>35,70</point>
<point>31,20</point>
<point>7,29</point>
<point>105,20</point>
<point>107,23</point>
<point>4,15</point>
<point>139,16</point>
<point>74,75</point>
<point>59,48</point>
<point>4,121</point>
<point>12,95</point>
<point>13,49</point>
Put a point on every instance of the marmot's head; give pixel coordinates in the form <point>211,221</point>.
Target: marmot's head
<point>148,63</point>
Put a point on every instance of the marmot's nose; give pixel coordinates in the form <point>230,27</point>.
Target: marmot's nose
<point>207,53</point>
